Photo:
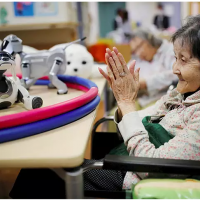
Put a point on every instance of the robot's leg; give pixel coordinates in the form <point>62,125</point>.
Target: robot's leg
<point>62,88</point>
<point>27,84</point>
<point>30,82</point>
<point>51,86</point>
<point>25,66</point>
<point>30,102</point>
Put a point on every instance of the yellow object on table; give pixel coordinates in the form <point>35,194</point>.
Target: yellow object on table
<point>107,41</point>
<point>124,49</point>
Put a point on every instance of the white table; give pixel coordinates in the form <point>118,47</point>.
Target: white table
<point>63,147</point>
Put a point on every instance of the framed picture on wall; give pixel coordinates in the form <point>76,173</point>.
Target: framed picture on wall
<point>23,9</point>
<point>46,8</point>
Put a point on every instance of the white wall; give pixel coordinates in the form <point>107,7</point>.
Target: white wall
<point>184,10</point>
<point>94,22</point>
<point>143,12</point>
<point>86,20</point>
<point>66,13</point>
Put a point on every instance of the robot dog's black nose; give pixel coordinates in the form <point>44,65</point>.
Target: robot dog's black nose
<point>75,69</point>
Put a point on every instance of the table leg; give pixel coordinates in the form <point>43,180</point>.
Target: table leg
<point>74,184</point>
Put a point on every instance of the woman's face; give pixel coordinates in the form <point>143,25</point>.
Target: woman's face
<point>187,68</point>
<point>142,49</point>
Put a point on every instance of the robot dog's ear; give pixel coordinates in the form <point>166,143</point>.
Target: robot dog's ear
<point>4,45</point>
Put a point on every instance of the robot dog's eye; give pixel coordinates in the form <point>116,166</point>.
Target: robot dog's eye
<point>68,63</point>
<point>25,65</point>
<point>84,62</point>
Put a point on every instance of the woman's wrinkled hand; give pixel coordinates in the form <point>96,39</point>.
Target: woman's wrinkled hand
<point>143,84</point>
<point>124,83</point>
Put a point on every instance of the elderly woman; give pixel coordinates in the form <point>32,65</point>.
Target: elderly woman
<point>177,114</point>
<point>155,58</point>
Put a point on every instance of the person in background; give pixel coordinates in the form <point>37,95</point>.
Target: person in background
<point>118,21</point>
<point>122,28</point>
<point>155,57</point>
<point>126,26</point>
<point>161,21</point>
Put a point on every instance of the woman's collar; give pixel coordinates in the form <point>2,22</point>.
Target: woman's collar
<point>187,98</point>
<point>186,95</point>
<point>176,98</point>
<point>192,97</point>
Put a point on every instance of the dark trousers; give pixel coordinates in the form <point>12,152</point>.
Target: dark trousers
<point>45,184</point>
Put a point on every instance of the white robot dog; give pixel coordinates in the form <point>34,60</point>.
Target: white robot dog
<point>11,90</point>
<point>36,65</point>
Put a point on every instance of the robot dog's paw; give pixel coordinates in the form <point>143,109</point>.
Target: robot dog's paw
<point>37,102</point>
<point>62,92</point>
<point>5,104</point>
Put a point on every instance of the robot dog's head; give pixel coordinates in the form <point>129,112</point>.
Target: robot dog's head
<point>11,44</point>
<point>6,61</point>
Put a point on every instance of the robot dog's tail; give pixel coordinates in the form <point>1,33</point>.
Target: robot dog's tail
<point>74,42</point>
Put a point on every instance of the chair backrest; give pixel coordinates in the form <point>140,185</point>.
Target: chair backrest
<point>103,142</point>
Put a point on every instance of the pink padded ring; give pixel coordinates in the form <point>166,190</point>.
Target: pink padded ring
<point>49,111</point>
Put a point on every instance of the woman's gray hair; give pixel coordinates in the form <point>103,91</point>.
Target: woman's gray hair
<point>148,36</point>
<point>189,34</point>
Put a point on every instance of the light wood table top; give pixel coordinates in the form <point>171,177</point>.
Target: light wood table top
<point>61,147</point>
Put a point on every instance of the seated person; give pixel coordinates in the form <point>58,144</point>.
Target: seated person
<point>155,58</point>
<point>118,21</point>
<point>178,113</point>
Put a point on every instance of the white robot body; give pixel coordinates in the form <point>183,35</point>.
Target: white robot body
<point>38,61</point>
<point>11,89</point>
<point>10,96</point>
<point>36,65</point>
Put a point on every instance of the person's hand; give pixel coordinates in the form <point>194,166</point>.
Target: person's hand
<point>143,84</point>
<point>124,82</point>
